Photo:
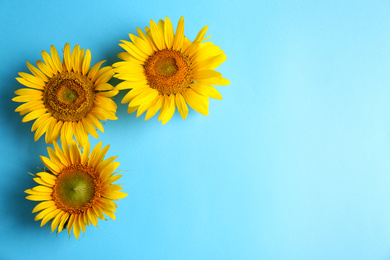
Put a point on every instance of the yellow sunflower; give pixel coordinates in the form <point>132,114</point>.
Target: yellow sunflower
<point>165,70</point>
<point>77,189</point>
<point>66,98</point>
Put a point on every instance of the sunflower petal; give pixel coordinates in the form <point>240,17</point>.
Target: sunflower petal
<point>194,101</point>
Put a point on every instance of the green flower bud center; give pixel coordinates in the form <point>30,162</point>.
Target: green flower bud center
<point>75,187</point>
<point>166,66</point>
<point>68,95</point>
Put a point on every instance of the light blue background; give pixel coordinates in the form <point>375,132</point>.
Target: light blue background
<point>293,163</point>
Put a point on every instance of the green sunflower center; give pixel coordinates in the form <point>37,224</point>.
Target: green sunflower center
<point>166,67</point>
<point>69,96</point>
<point>75,187</point>
<point>168,71</point>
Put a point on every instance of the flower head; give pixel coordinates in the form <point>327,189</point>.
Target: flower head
<point>165,70</point>
<point>66,98</point>
<point>77,188</point>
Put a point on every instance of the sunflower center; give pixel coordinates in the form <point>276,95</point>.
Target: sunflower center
<point>168,72</point>
<point>76,188</point>
<point>69,96</point>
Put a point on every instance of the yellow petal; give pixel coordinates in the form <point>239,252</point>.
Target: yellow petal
<point>74,153</point>
<point>42,127</point>
<point>56,221</point>
<point>109,93</point>
<point>49,164</point>
<point>67,57</point>
<point>163,107</point>
<point>111,179</point>
<point>61,155</point>
<point>94,70</point>
<point>26,98</point>
<point>36,72</point>
<point>34,114</point>
<point>154,107</point>
<point>95,154</point>
<point>43,213</point>
<point>133,93</point>
<point>110,214</point>
<point>75,58</point>
<point>29,84</point>
<point>46,177</point>
<point>29,106</point>
<point>115,195</point>
<point>95,122</point>
<point>107,172</point>
<point>206,90</point>
<point>97,157</point>
<point>201,34</point>
<point>107,103</point>
<point>89,128</point>
<point>141,44</point>
<point>43,189</point>
<point>49,63</point>
<point>50,216</point>
<point>86,62</point>
<point>70,223</point>
<point>147,39</point>
<point>28,91</point>
<point>56,59</point>
<point>49,131</point>
<point>146,96</point>
<point>133,50</point>
<point>64,218</point>
<point>170,110</point>
<point>82,222</point>
<point>43,205</point>
<point>179,35</point>
<point>38,197</point>
<point>157,35</point>
<point>168,33</point>
<point>40,121</point>
<point>104,87</point>
<point>210,63</point>
<point>85,154</point>
<point>181,105</point>
<point>92,217</point>
<point>36,80</point>
<point>76,226</point>
<point>132,109</point>
<point>80,133</point>
<point>42,182</point>
<point>106,76</point>
<point>107,204</point>
<point>205,74</point>
<point>124,85</point>
<point>193,100</point>
<point>44,68</point>
<point>103,164</point>
<point>214,81</point>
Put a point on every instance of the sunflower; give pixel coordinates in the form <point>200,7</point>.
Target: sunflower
<point>165,70</point>
<point>66,98</point>
<point>77,187</point>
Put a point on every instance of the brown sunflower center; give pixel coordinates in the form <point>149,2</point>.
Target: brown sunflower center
<point>168,72</point>
<point>69,96</point>
<point>76,188</point>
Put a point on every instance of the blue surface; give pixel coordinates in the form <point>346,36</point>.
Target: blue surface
<point>293,163</point>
